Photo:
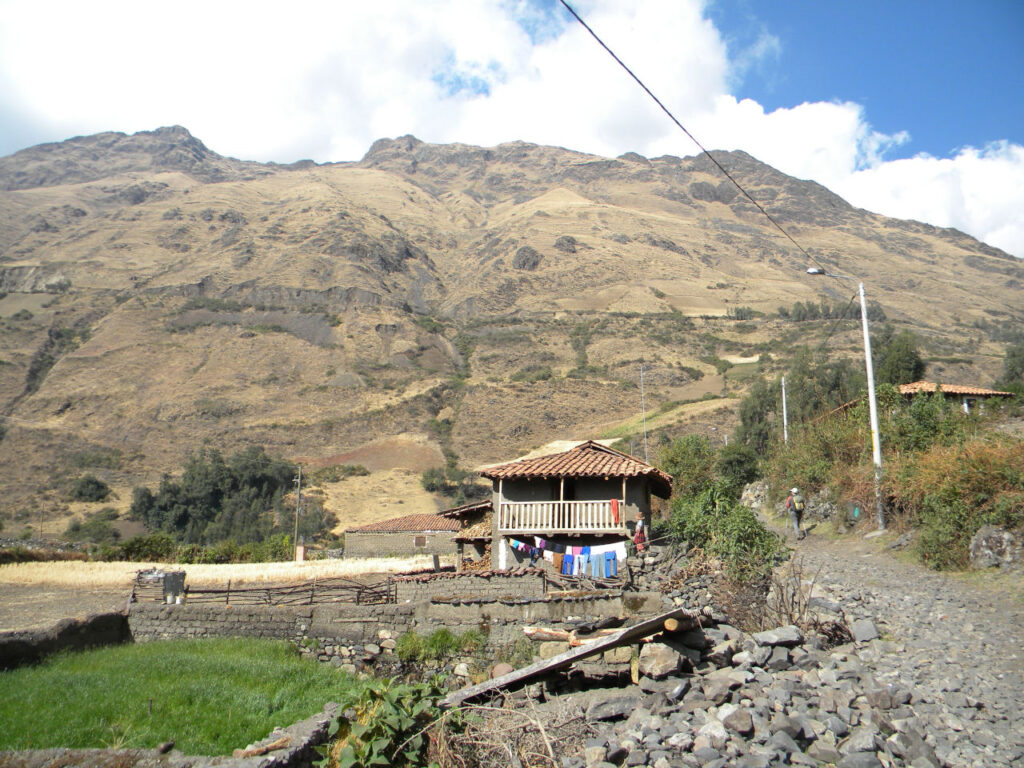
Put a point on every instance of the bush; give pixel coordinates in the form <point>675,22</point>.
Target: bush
<point>157,547</point>
<point>337,473</point>
<point>90,488</point>
<point>952,490</point>
<point>533,373</point>
<point>96,529</point>
<point>719,525</point>
<point>388,726</point>
<point>438,645</point>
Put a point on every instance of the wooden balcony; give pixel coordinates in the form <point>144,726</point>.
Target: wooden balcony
<point>549,517</point>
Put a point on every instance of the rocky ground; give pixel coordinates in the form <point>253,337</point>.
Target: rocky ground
<point>931,677</point>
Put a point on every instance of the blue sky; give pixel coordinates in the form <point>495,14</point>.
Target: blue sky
<point>948,73</point>
<point>911,109</point>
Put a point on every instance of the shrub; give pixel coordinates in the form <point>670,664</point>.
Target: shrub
<point>157,547</point>
<point>90,488</point>
<point>409,647</point>
<point>722,527</point>
<point>953,490</point>
<point>337,473</point>
<point>388,726</point>
<point>532,373</point>
<point>438,645</point>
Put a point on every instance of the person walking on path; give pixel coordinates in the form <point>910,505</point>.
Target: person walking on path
<point>795,506</point>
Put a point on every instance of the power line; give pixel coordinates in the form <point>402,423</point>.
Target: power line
<point>690,135</point>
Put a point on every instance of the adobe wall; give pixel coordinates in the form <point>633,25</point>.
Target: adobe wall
<point>389,544</point>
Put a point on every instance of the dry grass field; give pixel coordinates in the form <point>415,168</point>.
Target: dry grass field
<point>37,595</point>
<point>86,575</point>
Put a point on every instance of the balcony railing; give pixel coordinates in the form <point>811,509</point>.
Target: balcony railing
<point>562,517</point>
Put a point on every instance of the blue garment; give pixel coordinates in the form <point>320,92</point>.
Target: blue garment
<point>595,566</point>
<point>567,565</point>
<point>611,565</point>
<point>584,560</point>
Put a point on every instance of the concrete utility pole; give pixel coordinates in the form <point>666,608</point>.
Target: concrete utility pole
<point>298,505</point>
<point>643,409</point>
<point>785,415</point>
<point>876,445</point>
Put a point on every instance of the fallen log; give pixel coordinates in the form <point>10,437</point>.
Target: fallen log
<point>564,635</point>
<point>626,635</point>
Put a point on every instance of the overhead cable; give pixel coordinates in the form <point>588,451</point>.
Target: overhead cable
<point>690,135</point>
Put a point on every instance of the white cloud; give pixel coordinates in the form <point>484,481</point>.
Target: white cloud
<point>323,79</point>
<point>978,191</point>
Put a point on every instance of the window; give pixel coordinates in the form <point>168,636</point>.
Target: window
<point>419,541</point>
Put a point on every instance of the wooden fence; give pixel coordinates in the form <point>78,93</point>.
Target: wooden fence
<point>332,590</point>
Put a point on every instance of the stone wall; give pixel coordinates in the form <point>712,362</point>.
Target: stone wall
<point>487,584</point>
<point>404,543</point>
<point>29,647</point>
<point>156,621</point>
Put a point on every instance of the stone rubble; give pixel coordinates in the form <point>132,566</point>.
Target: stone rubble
<point>932,677</point>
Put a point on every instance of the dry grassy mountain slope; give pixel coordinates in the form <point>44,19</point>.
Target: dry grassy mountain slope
<point>160,297</point>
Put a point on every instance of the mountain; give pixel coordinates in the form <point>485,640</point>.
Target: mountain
<point>160,297</point>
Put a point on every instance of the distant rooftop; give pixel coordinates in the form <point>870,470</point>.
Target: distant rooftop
<point>950,389</point>
<point>410,523</point>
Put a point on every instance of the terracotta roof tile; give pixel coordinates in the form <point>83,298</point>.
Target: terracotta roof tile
<point>410,523</point>
<point>588,459</point>
<point>950,389</point>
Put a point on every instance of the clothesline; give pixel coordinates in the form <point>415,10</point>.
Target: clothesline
<point>602,560</point>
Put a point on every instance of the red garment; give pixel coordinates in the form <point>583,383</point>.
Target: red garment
<point>615,511</point>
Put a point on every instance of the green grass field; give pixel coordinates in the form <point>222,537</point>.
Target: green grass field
<point>208,696</point>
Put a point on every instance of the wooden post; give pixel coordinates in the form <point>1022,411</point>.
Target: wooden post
<point>227,594</point>
<point>437,562</point>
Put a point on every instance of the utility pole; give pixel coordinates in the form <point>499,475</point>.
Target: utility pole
<point>298,504</point>
<point>876,446</point>
<point>643,409</point>
<point>785,416</point>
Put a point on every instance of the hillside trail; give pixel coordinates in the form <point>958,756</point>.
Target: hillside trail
<point>956,641</point>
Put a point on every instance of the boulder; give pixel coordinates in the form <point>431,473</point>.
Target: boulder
<point>864,630</point>
<point>993,547</point>
<point>789,635</point>
<point>612,709</point>
<point>657,660</point>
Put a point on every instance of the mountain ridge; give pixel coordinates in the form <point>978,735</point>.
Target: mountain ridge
<point>161,297</point>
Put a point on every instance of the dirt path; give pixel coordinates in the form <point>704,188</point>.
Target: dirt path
<point>957,644</point>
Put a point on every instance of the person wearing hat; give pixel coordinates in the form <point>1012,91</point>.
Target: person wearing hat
<point>795,506</point>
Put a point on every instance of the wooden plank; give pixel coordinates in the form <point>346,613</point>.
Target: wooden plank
<point>687,619</point>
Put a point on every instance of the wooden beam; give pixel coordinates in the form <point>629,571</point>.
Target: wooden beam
<point>687,620</point>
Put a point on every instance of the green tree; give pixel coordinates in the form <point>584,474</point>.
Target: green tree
<point>90,488</point>
<point>758,416</point>
<point>240,499</point>
<point>691,462</point>
<point>735,466</point>
<point>1013,364</point>
<point>897,360</point>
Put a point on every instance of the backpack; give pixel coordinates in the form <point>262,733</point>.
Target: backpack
<point>798,503</point>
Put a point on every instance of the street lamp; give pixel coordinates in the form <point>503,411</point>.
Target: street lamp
<point>876,447</point>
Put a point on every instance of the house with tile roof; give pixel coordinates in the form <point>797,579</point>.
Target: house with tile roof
<point>967,397</point>
<point>585,500</point>
<point>414,534</point>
